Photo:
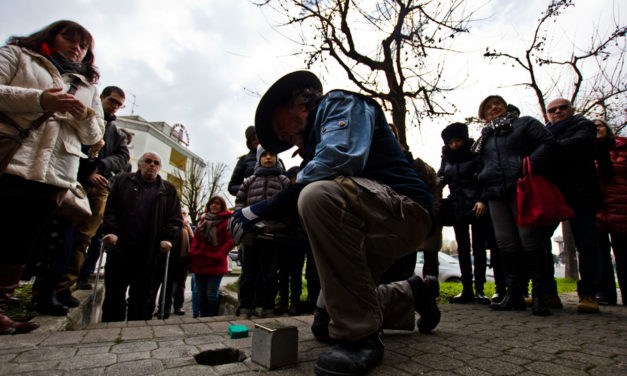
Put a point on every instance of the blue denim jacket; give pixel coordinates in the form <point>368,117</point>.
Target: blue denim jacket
<point>347,135</point>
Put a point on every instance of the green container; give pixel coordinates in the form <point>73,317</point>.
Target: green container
<point>238,331</point>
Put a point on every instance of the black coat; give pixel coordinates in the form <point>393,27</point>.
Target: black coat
<point>244,168</point>
<point>575,171</point>
<point>166,219</point>
<point>112,158</point>
<point>459,171</point>
<point>503,151</point>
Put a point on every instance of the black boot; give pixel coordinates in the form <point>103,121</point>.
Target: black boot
<point>424,304</point>
<point>539,304</point>
<point>281,307</point>
<point>320,325</point>
<point>480,296</point>
<point>46,303</point>
<point>352,357</point>
<point>65,297</point>
<point>466,296</point>
<point>513,299</point>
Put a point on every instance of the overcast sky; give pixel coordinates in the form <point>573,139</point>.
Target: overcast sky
<point>204,63</point>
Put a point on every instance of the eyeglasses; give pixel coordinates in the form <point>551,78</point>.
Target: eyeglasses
<point>153,161</point>
<point>563,107</point>
<point>116,103</point>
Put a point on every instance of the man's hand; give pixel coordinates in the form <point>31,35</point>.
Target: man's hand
<point>109,240</point>
<point>243,219</point>
<point>97,180</point>
<point>165,246</point>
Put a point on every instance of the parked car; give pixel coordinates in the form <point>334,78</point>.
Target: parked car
<point>489,272</point>
<point>449,267</point>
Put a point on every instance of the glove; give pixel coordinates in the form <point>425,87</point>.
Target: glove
<point>243,219</point>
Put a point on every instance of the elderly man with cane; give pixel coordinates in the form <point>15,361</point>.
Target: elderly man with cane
<point>142,219</point>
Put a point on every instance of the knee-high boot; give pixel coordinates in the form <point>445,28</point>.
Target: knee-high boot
<point>535,264</point>
<point>513,298</point>
<point>45,301</point>
<point>9,277</point>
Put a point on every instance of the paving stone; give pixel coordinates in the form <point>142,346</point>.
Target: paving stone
<point>195,329</point>
<point>586,358</point>
<point>174,352</point>
<point>469,371</point>
<point>127,357</point>
<point>65,338</point>
<point>28,368</point>
<point>139,367</point>
<point>195,370</point>
<point>438,362</point>
<point>46,353</point>
<point>230,368</point>
<point>136,323</point>
<point>88,361</point>
<point>179,362</point>
<point>553,369</point>
<point>171,343</point>
<point>88,350</point>
<point>495,367</point>
<point>167,331</point>
<point>140,332</point>
<point>199,340</point>
<point>102,335</point>
<point>28,340</point>
<point>131,347</point>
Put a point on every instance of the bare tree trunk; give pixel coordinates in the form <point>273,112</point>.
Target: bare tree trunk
<point>570,252</point>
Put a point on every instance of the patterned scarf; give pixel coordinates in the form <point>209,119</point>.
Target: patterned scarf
<point>501,124</point>
<point>61,62</point>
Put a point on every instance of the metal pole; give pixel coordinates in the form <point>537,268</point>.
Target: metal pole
<point>165,284</point>
<point>93,295</point>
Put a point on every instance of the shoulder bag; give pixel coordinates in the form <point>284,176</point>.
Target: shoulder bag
<point>538,201</point>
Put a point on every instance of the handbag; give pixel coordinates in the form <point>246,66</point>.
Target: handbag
<point>538,201</point>
<point>10,143</point>
<point>75,205</point>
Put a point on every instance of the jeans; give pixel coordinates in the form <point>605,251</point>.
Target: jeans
<point>208,286</point>
<point>92,256</point>
<point>195,303</point>
<point>587,243</point>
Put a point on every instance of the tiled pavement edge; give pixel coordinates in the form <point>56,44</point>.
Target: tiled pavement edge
<point>470,340</point>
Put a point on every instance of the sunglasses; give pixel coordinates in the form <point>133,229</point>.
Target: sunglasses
<point>563,107</point>
<point>153,161</point>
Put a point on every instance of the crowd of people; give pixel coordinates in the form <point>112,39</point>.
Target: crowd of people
<point>357,209</point>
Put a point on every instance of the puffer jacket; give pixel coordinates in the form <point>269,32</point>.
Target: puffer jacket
<point>51,153</point>
<point>575,170</point>
<point>459,172</point>
<point>612,217</point>
<point>502,154</point>
<point>257,188</point>
<point>208,258</point>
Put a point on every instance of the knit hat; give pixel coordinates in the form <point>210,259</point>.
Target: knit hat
<point>455,130</point>
<point>260,151</point>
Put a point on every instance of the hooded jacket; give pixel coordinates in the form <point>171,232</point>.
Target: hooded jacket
<point>51,153</point>
<point>265,183</point>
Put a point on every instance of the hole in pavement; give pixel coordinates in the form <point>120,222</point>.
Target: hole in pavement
<point>219,356</point>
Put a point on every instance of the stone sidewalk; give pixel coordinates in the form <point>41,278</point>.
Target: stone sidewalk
<point>470,340</point>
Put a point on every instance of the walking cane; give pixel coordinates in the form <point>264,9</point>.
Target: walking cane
<point>165,284</point>
<point>93,295</point>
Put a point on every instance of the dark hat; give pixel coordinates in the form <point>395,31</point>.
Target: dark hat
<point>250,133</point>
<point>278,94</point>
<point>455,130</point>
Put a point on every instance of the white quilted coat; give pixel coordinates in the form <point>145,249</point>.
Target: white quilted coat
<point>50,154</point>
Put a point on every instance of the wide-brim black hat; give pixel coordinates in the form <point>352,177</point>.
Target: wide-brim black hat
<point>278,94</point>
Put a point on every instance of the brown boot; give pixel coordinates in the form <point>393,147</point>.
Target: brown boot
<point>9,277</point>
<point>587,304</point>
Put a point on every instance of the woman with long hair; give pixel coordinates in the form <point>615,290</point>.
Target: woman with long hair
<point>209,250</point>
<point>48,97</point>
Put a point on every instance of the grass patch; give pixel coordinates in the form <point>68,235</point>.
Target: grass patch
<point>450,289</point>
<point>17,309</point>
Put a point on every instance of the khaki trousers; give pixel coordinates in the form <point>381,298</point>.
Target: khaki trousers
<point>83,233</point>
<point>357,228</point>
